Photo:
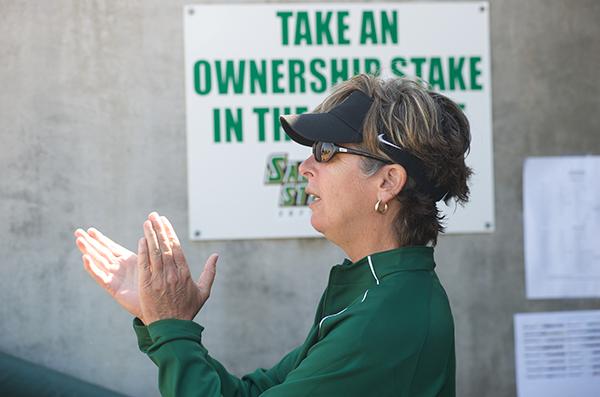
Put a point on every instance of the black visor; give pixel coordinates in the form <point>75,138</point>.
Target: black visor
<point>343,124</point>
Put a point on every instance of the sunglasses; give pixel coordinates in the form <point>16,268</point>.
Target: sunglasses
<point>325,151</point>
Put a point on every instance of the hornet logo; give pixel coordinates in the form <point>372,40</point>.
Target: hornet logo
<point>284,172</point>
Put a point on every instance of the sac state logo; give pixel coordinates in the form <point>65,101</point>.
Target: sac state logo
<point>284,172</point>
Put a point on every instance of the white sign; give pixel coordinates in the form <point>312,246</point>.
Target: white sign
<point>558,354</point>
<point>247,64</point>
<point>562,224</point>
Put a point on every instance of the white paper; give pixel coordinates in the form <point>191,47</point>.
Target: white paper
<point>558,354</point>
<point>562,226</point>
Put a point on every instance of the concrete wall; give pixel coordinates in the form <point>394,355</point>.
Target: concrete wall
<point>92,133</point>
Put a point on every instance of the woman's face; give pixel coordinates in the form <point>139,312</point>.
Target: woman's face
<point>346,196</point>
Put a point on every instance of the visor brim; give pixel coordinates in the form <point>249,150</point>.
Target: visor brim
<point>308,128</point>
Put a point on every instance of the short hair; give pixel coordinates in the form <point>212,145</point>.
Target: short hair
<point>427,124</point>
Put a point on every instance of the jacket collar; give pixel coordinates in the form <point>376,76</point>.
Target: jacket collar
<point>382,264</point>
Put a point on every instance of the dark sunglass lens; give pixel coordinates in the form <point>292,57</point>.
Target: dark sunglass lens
<point>327,151</point>
<point>317,151</point>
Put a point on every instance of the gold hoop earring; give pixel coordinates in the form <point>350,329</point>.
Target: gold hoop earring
<point>379,209</point>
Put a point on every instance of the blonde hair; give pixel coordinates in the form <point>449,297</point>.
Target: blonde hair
<point>428,125</point>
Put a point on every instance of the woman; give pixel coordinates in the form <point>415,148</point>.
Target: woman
<point>384,152</point>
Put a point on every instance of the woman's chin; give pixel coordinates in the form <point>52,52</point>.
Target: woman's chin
<point>314,221</point>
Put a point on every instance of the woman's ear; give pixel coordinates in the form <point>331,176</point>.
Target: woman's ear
<point>393,179</point>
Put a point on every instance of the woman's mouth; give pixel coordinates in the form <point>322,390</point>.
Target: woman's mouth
<point>312,198</point>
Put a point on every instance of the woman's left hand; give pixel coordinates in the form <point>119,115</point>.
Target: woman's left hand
<point>165,285</point>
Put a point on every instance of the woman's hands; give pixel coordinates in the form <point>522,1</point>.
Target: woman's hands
<point>166,287</point>
<point>155,284</point>
<point>112,266</point>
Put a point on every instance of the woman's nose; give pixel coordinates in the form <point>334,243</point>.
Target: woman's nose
<point>307,166</point>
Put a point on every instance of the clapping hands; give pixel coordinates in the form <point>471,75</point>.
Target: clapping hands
<point>156,283</point>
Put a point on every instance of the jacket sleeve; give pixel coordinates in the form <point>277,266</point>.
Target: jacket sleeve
<point>186,369</point>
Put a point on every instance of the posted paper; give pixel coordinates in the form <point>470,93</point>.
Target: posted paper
<point>562,227</point>
<point>558,354</point>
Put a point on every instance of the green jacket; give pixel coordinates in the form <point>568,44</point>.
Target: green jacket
<point>383,328</point>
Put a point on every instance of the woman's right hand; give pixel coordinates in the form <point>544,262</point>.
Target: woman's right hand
<point>113,266</point>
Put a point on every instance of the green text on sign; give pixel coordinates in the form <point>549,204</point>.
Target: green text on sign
<point>331,27</point>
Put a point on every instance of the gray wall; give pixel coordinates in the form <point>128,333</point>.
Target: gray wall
<point>92,133</point>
